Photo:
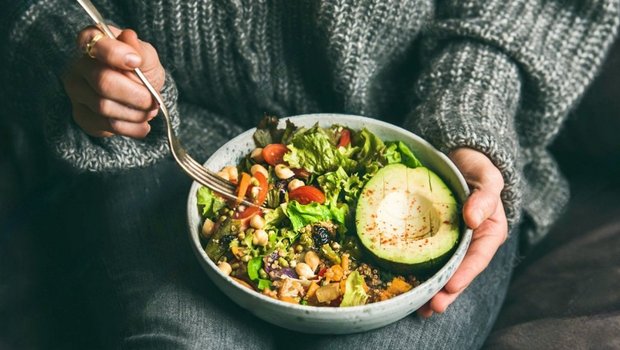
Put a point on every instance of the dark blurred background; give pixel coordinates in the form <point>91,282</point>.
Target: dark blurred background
<point>41,307</point>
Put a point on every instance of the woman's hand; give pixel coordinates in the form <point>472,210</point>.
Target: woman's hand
<point>484,213</point>
<point>106,96</point>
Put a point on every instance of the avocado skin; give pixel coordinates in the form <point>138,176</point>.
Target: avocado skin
<point>421,270</point>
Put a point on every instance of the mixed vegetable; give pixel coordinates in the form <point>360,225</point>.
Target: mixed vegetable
<point>303,247</point>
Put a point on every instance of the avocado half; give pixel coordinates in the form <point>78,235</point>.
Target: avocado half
<point>408,219</point>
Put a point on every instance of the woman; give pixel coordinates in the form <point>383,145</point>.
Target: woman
<point>487,82</point>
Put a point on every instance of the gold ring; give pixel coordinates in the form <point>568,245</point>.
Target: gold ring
<point>89,45</point>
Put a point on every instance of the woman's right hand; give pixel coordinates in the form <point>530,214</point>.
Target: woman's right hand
<point>106,96</point>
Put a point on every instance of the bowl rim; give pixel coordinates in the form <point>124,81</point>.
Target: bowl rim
<point>464,239</point>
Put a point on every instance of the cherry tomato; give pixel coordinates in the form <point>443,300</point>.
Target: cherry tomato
<point>264,188</point>
<point>263,185</point>
<point>345,138</point>
<point>247,213</point>
<point>307,194</point>
<point>273,153</point>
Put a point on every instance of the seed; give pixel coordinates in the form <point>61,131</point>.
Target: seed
<point>257,168</point>
<point>304,271</point>
<point>233,173</point>
<point>257,222</point>
<point>207,228</point>
<point>295,183</point>
<point>225,267</point>
<point>283,262</point>
<point>283,172</point>
<point>260,238</point>
<point>257,155</point>
<point>312,259</point>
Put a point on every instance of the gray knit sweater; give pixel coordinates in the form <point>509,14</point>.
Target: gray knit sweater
<point>499,76</point>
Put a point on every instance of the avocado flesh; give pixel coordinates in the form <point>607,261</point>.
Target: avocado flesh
<point>408,219</point>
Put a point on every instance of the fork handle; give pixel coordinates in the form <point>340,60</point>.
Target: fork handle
<point>92,11</point>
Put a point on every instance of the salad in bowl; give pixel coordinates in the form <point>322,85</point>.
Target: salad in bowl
<point>364,237</point>
<point>342,217</point>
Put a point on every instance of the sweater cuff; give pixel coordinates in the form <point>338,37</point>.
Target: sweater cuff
<point>468,97</point>
<point>111,154</point>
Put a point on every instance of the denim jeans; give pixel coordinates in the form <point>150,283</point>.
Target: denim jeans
<point>149,292</point>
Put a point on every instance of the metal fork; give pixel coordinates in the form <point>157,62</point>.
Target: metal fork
<point>194,169</point>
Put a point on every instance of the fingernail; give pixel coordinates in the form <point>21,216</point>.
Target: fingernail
<point>132,60</point>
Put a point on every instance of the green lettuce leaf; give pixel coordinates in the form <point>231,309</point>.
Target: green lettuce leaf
<point>336,182</point>
<point>371,147</point>
<point>354,294</point>
<point>302,215</point>
<point>273,218</point>
<point>254,265</point>
<point>267,131</point>
<point>314,150</point>
<point>391,153</point>
<point>263,283</point>
<point>406,155</point>
<point>209,202</point>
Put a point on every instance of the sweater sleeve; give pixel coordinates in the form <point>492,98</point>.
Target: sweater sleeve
<point>502,75</point>
<point>41,36</point>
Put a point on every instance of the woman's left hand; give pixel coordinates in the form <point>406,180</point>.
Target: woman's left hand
<point>484,213</point>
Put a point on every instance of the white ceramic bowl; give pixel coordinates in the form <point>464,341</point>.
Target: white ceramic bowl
<point>333,320</point>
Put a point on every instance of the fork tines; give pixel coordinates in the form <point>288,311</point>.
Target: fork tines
<point>211,180</point>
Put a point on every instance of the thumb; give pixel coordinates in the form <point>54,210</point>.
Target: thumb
<point>480,205</point>
<point>150,64</point>
<point>486,183</point>
<point>130,38</point>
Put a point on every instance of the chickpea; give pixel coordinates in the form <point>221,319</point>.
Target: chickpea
<point>257,155</point>
<point>225,267</point>
<point>283,172</point>
<point>295,183</point>
<point>312,260</point>
<point>257,168</point>
<point>254,192</point>
<point>233,173</point>
<point>260,238</point>
<point>257,222</point>
<point>304,271</point>
<point>224,175</point>
<point>207,228</point>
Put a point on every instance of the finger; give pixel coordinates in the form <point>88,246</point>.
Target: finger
<point>485,241</point>
<point>480,205</point>
<point>440,302</point>
<point>133,130</point>
<point>116,86</point>
<point>92,124</point>
<point>110,51</point>
<point>146,51</point>
<point>425,311</point>
<point>98,126</point>
<point>150,60</point>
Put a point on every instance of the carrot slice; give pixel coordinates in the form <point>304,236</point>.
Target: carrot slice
<point>242,189</point>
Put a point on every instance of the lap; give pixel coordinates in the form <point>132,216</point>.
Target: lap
<point>135,228</point>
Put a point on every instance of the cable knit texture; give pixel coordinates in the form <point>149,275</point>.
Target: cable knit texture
<point>497,76</point>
